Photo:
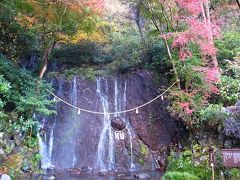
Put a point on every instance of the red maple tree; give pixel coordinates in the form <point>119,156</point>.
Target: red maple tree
<point>200,29</point>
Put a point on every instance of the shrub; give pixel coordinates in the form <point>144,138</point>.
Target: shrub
<point>235,174</point>
<point>228,45</point>
<point>191,164</point>
<point>232,127</point>
<point>212,115</point>
<point>18,97</point>
<point>229,90</point>
<point>179,176</point>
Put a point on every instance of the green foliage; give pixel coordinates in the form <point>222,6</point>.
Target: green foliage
<point>7,146</point>
<point>191,163</point>
<point>234,173</point>
<point>89,73</point>
<point>31,141</point>
<point>229,90</point>
<point>212,115</point>
<point>192,79</point>
<point>24,125</point>
<point>4,88</point>
<point>160,14</point>
<point>228,45</point>
<point>228,54</point>
<point>14,40</point>
<point>157,58</point>
<point>193,88</point>
<point>77,55</point>
<point>143,149</point>
<point>179,176</point>
<point>21,98</point>
<point>35,160</point>
<point>123,53</point>
<point>4,85</point>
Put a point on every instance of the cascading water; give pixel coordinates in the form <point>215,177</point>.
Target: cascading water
<point>128,127</point>
<point>52,136</point>
<point>121,104</point>
<point>115,97</point>
<point>44,149</point>
<point>74,102</point>
<point>88,142</point>
<point>106,137</point>
<point>46,145</point>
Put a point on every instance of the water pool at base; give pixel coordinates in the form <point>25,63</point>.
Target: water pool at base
<point>68,175</point>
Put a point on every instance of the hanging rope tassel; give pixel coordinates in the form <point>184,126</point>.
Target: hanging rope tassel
<point>116,134</point>
<point>119,135</point>
<point>122,136</point>
<point>137,111</point>
<point>162,98</point>
<point>79,111</point>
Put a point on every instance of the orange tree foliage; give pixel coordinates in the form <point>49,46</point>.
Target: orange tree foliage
<point>60,21</point>
<point>52,18</point>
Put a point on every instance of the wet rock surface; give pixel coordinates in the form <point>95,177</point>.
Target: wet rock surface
<point>71,139</point>
<point>142,176</point>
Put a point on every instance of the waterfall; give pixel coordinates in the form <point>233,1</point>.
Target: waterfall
<point>74,102</point>
<point>106,141</point>
<point>45,151</point>
<point>86,141</point>
<point>51,140</point>
<point>115,97</point>
<point>121,104</point>
<point>128,127</point>
<point>46,145</point>
<point>52,133</point>
<point>106,136</point>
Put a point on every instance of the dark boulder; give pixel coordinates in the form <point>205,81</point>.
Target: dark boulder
<point>118,124</point>
<point>142,176</point>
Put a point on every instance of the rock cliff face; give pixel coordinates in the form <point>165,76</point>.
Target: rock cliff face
<point>74,139</point>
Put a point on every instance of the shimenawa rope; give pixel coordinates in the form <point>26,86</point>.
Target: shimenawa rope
<point>112,113</point>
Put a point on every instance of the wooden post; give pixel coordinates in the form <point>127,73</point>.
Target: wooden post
<point>211,160</point>
<point>212,166</point>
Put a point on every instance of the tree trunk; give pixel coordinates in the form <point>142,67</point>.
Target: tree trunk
<point>208,22</point>
<point>173,64</point>
<point>45,58</point>
<point>169,55</point>
<point>238,3</point>
<point>139,23</point>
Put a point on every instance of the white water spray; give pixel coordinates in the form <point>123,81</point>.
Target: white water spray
<point>74,101</point>
<point>106,136</point>
<point>45,149</point>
